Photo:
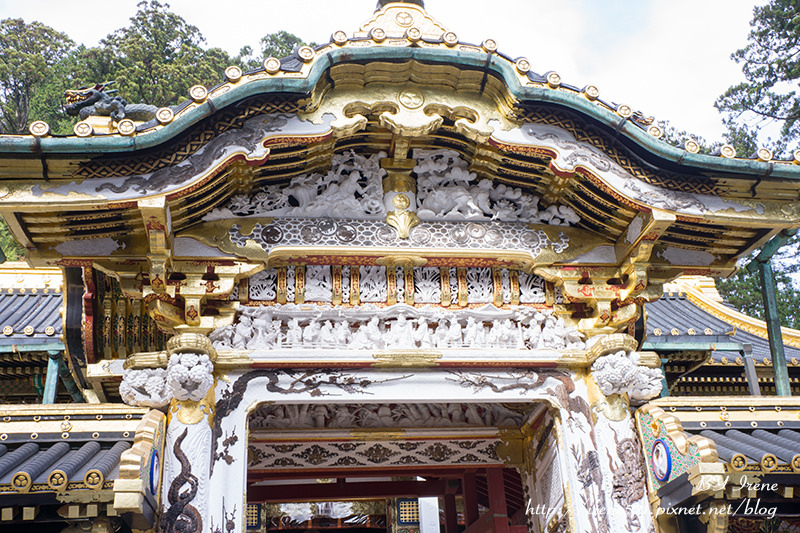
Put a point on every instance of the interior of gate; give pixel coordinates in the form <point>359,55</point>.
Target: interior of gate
<point>403,467</point>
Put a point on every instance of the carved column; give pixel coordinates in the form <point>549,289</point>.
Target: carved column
<point>190,378</point>
<point>619,375</point>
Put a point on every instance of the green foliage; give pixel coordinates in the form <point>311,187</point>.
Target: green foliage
<point>771,66</point>
<point>279,44</point>
<point>28,55</point>
<point>11,249</point>
<point>743,291</point>
<point>157,58</point>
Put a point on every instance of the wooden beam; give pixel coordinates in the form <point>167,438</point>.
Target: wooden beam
<point>470,494</point>
<point>450,514</point>
<point>497,500</point>
<point>643,232</point>
<point>344,491</point>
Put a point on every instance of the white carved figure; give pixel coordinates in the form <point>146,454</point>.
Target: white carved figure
<point>447,190</point>
<point>294,333</point>
<point>145,388</point>
<point>342,416</point>
<point>311,333</point>
<point>341,333</point>
<point>422,335</point>
<point>292,326</point>
<point>189,375</point>
<point>531,289</point>
<point>346,284</point>
<point>619,373</point>
<point>373,283</point>
<point>319,283</point>
<point>263,285</point>
<point>326,337</point>
<point>351,189</point>
<point>375,332</point>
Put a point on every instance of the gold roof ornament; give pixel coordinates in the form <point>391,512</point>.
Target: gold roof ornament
<point>400,20</point>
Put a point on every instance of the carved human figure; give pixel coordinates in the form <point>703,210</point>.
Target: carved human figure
<point>375,333</point>
<point>454,339</point>
<point>400,334</point>
<point>440,334</point>
<point>294,333</point>
<point>422,335</point>
<point>311,333</point>
<point>341,333</point>
<point>326,337</point>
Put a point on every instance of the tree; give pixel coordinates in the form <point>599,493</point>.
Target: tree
<point>157,58</point>
<point>743,291</point>
<point>28,55</point>
<point>279,44</point>
<point>771,66</point>
<point>9,247</point>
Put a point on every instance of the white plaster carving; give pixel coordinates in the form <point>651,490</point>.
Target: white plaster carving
<point>189,375</point>
<point>531,289</point>
<point>372,283</point>
<point>400,283</point>
<point>427,285</point>
<point>505,280</point>
<point>453,285</point>
<point>399,326</point>
<point>145,388</point>
<point>480,287</point>
<point>319,283</point>
<point>620,373</point>
<point>246,141</point>
<point>571,154</point>
<point>263,285</point>
<point>353,188</point>
<point>405,415</point>
<point>447,190</point>
<point>346,284</point>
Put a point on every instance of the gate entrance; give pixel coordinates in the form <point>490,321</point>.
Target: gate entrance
<point>365,466</point>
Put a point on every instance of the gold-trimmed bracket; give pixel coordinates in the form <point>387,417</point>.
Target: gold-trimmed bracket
<point>642,233</point>
<point>137,465</point>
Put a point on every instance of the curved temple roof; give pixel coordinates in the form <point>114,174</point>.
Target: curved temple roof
<point>402,81</point>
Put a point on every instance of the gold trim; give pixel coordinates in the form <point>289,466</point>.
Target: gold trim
<point>407,358</point>
<point>128,497</point>
<point>608,344</point>
<point>402,221</point>
<point>791,337</point>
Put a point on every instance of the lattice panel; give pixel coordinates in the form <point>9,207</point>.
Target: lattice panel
<point>368,454</point>
<point>407,511</point>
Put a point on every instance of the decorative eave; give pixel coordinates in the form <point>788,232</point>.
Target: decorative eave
<point>726,449</point>
<point>81,459</point>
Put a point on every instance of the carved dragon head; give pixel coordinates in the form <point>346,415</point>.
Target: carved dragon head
<point>77,99</point>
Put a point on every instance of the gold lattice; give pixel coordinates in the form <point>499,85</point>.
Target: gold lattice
<point>407,511</point>
<point>252,518</point>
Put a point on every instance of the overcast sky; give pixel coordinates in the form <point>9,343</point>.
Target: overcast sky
<point>668,58</point>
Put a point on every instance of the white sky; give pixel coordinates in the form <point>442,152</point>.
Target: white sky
<point>668,58</point>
